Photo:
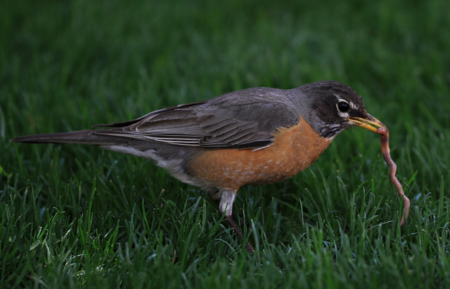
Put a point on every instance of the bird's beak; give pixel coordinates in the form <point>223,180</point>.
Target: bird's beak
<point>369,123</point>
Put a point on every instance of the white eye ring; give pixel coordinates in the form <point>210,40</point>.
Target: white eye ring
<point>343,106</point>
<point>343,114</point>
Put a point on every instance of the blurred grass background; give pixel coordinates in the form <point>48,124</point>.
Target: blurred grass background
<point>76,216</point>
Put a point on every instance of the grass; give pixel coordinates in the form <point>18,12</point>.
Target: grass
<point>77,216</point>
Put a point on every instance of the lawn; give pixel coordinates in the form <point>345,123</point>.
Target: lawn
<point>78,216</point>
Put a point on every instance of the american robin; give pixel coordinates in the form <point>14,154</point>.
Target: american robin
<point>250,136</point>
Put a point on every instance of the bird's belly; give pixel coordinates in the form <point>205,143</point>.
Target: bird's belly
<point>293,150</point>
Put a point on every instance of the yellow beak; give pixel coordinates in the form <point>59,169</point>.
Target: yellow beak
<point>369,123</point>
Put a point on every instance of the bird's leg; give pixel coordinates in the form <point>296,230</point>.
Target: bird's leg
<point>215,196</point>
<point>226,208</point>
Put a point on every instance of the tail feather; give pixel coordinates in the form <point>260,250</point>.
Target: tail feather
<point>170,157</point>
<point>74,137</point>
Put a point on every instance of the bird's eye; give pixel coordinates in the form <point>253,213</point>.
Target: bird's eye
<point>343,106</point>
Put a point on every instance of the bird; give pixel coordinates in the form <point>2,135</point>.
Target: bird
<point>252,136</point>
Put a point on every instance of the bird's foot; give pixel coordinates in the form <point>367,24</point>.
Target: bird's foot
<point>238,231</point>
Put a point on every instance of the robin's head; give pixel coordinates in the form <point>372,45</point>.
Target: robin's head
<point>331,107</point>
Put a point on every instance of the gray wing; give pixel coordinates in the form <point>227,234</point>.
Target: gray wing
<point>242,119</point>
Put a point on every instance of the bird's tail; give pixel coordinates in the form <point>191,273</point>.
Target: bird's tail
<point>75,137</point>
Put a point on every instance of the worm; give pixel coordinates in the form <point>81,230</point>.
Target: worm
<point>384,139</point>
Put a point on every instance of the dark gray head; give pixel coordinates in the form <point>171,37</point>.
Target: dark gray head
<point>329,106</point>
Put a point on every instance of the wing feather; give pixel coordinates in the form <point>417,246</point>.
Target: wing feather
<point>242,119</point>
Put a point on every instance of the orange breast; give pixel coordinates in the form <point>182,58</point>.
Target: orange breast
<point>293,150</point>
